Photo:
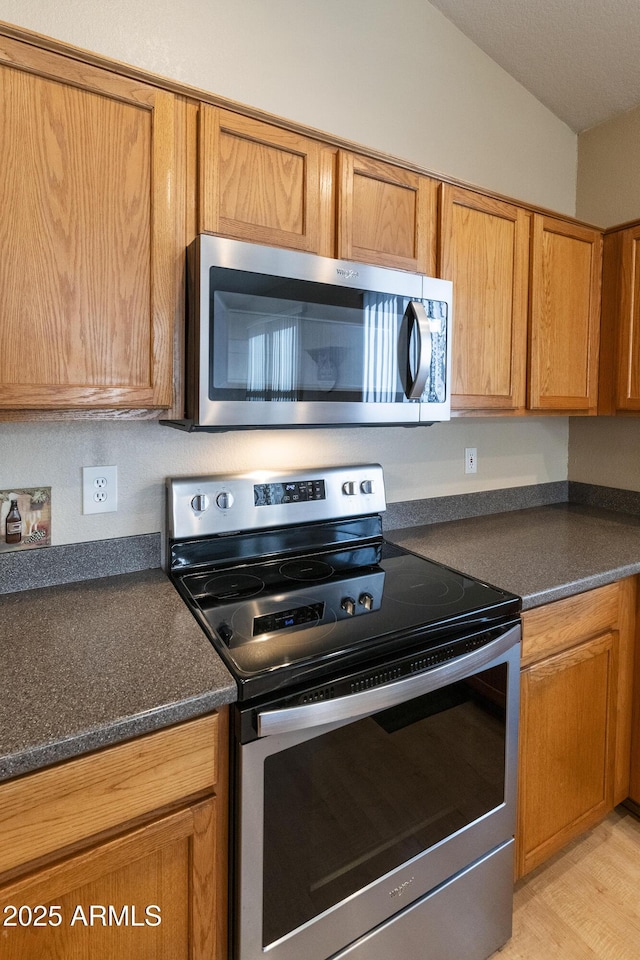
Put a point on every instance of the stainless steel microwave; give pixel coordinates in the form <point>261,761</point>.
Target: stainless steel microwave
<point>279,338</point>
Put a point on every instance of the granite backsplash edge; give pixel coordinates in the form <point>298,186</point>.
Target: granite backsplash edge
<point>73,562</point>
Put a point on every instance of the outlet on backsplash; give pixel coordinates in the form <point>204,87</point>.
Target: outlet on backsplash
<point>27,524</point>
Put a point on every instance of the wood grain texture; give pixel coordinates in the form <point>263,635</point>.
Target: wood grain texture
<point>620,324</point>
<point>583,903</point>
<point>567,747</point>
<point>386,215</point>
<point>484,249</point>
<point>261,183</point>
<point>554,627</point>
<point>87,277</point>
<point>169,863</point>
<point>45,811</point>
<point>564,316</point>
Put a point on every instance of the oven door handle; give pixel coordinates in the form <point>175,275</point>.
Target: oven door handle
<point>357,705</point>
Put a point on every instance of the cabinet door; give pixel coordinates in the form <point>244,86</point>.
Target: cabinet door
<point>89,191</point>
<point>567,747</point>
<point>261,183</point>
<point>484,250</point>
<point>620,329</point>
<point>148,893</point>
<point>386,215</point>
<point>565,316</point>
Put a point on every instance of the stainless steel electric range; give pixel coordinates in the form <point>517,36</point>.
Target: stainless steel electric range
<point>374,743</point>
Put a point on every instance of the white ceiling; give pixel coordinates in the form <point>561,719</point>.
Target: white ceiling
<point>580,58</point>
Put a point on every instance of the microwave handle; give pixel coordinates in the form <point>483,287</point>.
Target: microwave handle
<point>416,318</point>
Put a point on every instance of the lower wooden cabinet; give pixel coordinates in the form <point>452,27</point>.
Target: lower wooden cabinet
<point>141,867</point>
<point>575,717</point>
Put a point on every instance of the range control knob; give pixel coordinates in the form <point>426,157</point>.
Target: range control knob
<point>365,600</point>
<point>348,604</point>
<point>224,500</point>
<point>366,486</point>
<point>350,488</point>
<point>200,503</point>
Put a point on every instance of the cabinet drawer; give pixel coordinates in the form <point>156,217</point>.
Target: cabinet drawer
<point>557,626</point>
<point>46,811</point>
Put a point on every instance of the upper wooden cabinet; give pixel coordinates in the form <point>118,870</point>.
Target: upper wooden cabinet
<point>386,215</point>
<point>92,192</point>
<point>262,183</point>
<point>484,250</point>
<point>620,325</point>
<point>564,316</point>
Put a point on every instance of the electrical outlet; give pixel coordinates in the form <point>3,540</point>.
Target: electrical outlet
<point>470,460</point>
<point>99,489</point>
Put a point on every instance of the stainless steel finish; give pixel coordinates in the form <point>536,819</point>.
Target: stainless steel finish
<point>365,600</point>
<point>200,503</point>
<point>356,705</point>
<point>418,321</point>
<point>349,488</point>
<point>207,251</point>
<point>468,918</point>
<point>357,916</point>
<point>233,506</point>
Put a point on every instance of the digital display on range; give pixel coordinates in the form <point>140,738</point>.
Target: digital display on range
<point>296,491</point>
<point>271,622</point>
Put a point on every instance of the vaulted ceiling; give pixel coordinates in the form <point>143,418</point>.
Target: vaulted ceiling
<point>580,58</point>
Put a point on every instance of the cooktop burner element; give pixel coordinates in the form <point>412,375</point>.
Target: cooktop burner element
<point>301,588</point>
<point>306,569</point>
<point>231,586</point>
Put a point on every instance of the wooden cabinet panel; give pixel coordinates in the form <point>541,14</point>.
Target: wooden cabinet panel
<point>148,893</point>
<point>90,192</point>
<point>567,742</point>
<point>52,808</point>
<point>620,326</point>
<point>576,714</point>
<point>564,320</point>
<point>386,215</point>
<point>484,250</point>
<point>261,183</point>
<point>104,837</point>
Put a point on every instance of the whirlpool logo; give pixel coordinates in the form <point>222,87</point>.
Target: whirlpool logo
<point>399,890</point>
<point>347,274</point>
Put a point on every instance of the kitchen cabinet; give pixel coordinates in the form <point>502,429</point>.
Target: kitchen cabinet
<point>386,215</point>
<point>120,852</point>
<point>263,183</point>
<point>575,717</point>
<point>484,249</point>
<point>566,261</point>
<point>92,189</point>
<point>620,326</point>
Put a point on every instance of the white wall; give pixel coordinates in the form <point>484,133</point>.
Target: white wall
<point>391,74</point>
<point>606,450</point>
<point>608,188</point>
<point>417,462</point>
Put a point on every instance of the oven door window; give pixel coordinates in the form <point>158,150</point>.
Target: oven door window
<point>292,340</point>
<point>349,806</point>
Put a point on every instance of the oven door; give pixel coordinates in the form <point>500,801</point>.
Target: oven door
<point>290,339</point>
<point>350,811</point>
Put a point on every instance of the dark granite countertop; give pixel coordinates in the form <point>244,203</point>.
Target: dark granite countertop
<point>542,553</point>
<point>89,664</point>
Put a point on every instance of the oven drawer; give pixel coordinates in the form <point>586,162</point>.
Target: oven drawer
<point>468,916</point>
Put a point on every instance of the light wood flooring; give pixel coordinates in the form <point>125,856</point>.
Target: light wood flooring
<point>584,904</point>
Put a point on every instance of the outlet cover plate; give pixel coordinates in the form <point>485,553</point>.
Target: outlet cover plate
<point>99,489</point>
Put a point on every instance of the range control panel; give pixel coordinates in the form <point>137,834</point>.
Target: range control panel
<point>204,506</point>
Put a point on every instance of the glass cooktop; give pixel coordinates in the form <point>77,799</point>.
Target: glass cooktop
<point>284,619</point>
